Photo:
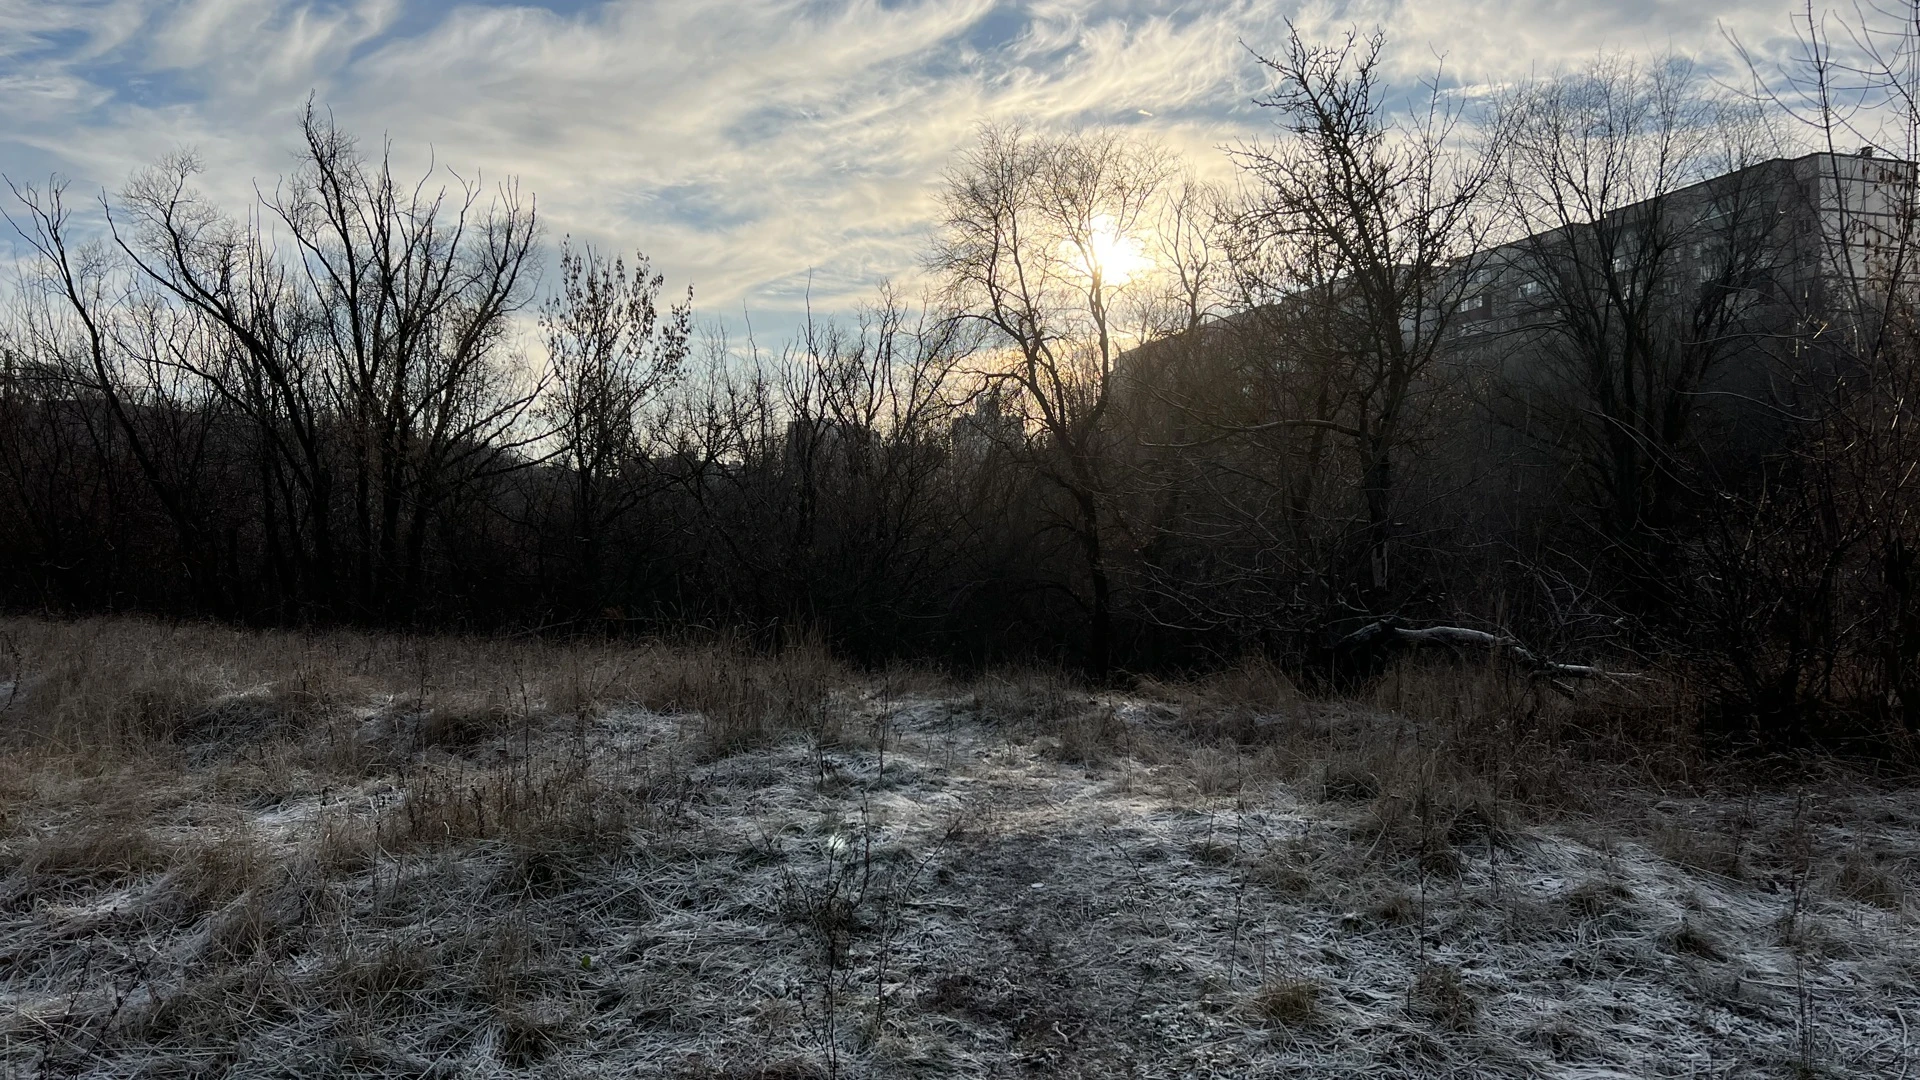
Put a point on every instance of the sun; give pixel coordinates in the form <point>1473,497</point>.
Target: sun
<point>1117,256</point>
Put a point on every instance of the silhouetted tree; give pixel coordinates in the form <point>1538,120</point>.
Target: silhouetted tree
<point>612,355</point>
<point>1033,234</point>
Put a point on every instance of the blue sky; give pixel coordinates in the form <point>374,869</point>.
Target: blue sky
<point>756,148</point>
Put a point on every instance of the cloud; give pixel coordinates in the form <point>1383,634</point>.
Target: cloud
<point>766,150</point>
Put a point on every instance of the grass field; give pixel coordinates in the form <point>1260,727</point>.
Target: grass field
<point>237,853</point>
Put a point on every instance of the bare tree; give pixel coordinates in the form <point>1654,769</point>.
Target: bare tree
<point>1810,599</point>
<point>121,351</point>
<point>370,358</point>
<point>413,287</point>
<point>1038,244</point>
<point>814,478</point>
<point>1635,280</point>
<point>267,363</point>
<point>374,357</point>
<point>1193,279</point>
<point>1357,241</point>
<point>612,355</point>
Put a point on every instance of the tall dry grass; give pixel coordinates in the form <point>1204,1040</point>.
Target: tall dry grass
<point>1438,754</point>
<point>121,736</point>
<point>127,685</point>
<point>383,806</point>
<point>1438,748</point>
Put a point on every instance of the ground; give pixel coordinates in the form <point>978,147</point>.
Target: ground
<point>335,857</point>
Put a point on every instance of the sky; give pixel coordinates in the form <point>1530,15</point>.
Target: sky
<point>776,154</point>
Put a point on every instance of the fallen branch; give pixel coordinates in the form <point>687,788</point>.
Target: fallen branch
<point>1380,634</point>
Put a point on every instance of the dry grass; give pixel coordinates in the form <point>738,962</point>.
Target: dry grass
<point>1598,898</point>
<point>1443,997</point>
<point>1287,1003</point>
<point>351,854</point>
<point>1879,879</point>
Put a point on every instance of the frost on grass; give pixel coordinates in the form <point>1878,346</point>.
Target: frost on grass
<point>932,884</point>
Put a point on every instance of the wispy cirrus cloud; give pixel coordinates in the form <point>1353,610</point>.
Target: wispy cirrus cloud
<point>759,148</point>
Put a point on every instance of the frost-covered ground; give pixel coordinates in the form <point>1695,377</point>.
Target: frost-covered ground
<point>932,890</point>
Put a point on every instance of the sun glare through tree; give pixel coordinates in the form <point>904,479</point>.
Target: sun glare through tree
<point>1107,254</point>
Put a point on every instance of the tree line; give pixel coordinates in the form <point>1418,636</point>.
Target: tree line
<point>1549,365</point>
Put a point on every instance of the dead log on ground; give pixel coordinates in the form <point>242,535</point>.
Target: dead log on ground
<point>1381,640</point>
